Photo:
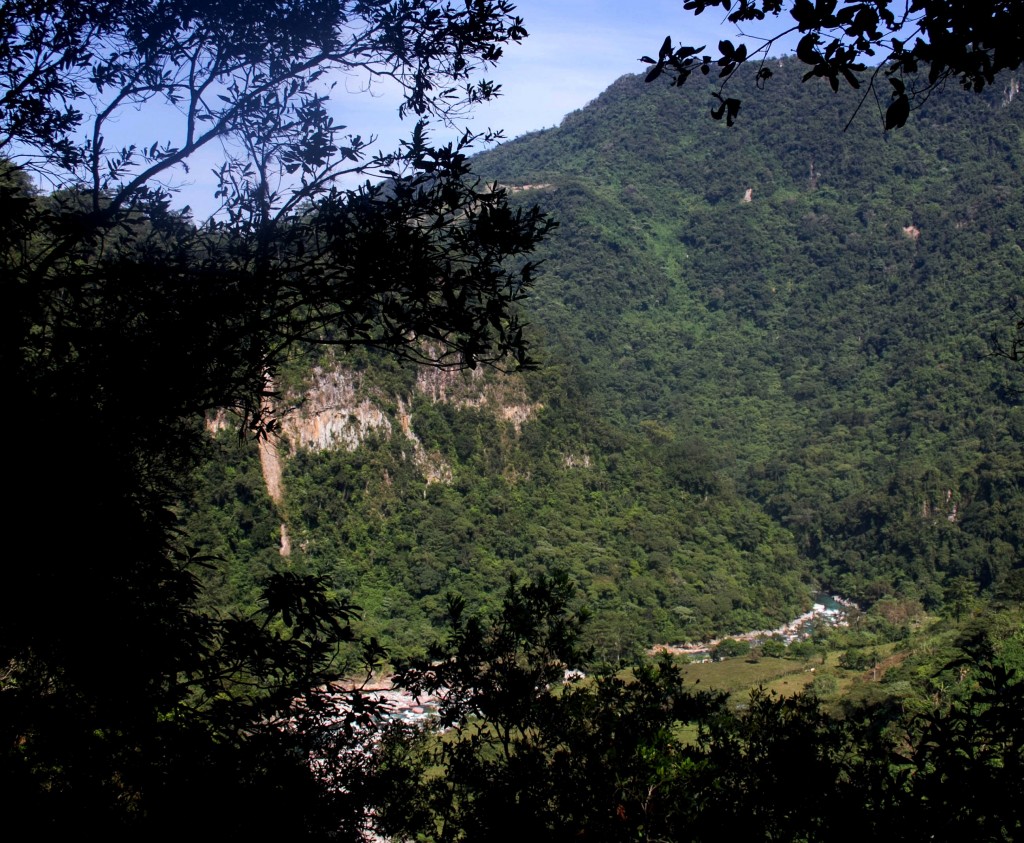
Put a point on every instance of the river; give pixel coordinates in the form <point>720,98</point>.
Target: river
<point>829,609</point>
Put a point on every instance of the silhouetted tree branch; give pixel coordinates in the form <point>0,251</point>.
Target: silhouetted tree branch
<point>125,324</point>
<point>854,41</point>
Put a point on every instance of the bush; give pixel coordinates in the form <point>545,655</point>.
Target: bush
<point>729,648</point>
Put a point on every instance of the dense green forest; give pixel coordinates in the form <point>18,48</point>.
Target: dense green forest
<point>769,362</point>
<point>827,341</point>
<point>767,365</point>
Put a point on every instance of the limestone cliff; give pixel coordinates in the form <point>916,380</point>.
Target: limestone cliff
<point>333,414</point>
<point>338,409</point>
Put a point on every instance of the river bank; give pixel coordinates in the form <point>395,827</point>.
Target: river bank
<point>830,610</point>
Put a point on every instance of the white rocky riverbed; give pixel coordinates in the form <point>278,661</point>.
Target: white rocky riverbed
<point>827,609</point>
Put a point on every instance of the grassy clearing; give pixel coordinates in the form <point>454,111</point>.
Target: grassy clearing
<point>737,677</point>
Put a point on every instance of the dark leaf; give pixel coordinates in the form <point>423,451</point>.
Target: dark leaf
<point>807,49</point>
<point>897,113</point>
<point>733,108</point>
<point>687,52</point>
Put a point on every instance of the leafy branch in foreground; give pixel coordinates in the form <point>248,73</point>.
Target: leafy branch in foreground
<point>125,325</point>
<point>640,756</point>
<point>840,41</point>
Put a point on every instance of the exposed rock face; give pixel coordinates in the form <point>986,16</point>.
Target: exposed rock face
<point>505,397</point>
<point>270,463</point>
<point>332,416</point>
<point>576,460</point>
<point>338,411</point>
<point>520,188</point>
<point>432,466</point>
<point>450,385</point>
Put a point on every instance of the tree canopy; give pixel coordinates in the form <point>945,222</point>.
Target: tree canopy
<point>125,325</point>
<point>645,756</point>
<point>126,707</point>
<point>858,41</point>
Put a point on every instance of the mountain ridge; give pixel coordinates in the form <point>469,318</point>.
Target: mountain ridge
<point>765,367</point>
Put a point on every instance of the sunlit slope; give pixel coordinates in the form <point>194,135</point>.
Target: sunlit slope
<point>806,310</point>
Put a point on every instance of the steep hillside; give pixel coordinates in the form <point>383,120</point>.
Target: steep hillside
<point>463,482</point>
<point>810,308</point>
<point>765,365</point>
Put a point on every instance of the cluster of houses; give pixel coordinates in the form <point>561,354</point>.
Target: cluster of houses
<point>394,703</point>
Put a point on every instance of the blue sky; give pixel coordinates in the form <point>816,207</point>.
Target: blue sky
<point>575,50</point>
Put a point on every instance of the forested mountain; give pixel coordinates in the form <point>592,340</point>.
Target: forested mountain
<point>763,368</point>
<point>814,307</point>
<point>766,364</point>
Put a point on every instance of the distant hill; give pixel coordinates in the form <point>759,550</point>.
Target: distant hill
<point>812,307</point>
<point>766,366</point>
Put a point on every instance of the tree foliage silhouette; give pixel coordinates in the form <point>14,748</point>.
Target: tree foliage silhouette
<point>125,323</point>
<point>854,41</point>
<point>642,756</point>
